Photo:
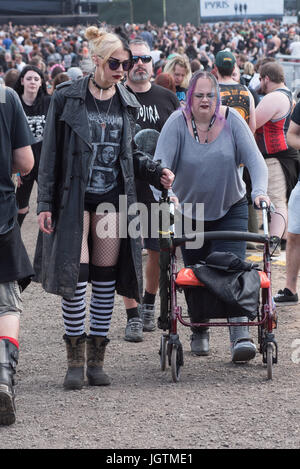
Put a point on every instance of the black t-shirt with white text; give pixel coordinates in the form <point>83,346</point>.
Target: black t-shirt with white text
<point>156,105</point>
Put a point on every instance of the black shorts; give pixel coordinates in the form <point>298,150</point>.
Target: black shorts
<point>92,201</point>
<point>152,244</point>
<point>92,207</point>
<point>149,233</point>
<point>15,263</point>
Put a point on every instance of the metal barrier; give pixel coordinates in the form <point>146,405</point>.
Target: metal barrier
<point>291,66</point>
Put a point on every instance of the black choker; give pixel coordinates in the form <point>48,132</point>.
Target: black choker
<point>98,86</point>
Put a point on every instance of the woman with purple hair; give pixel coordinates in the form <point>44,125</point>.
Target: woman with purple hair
<point>209,144</point>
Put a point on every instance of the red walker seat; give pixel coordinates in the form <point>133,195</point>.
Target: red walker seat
<point>187,278</point>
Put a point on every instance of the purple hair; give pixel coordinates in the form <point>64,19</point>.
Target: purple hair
<point>193,81</point>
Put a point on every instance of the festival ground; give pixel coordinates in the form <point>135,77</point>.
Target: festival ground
<point>216,404</point>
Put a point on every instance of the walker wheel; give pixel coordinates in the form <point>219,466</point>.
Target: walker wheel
<point>270,360</point>
<point>176,363</point>
<point>163,352</point>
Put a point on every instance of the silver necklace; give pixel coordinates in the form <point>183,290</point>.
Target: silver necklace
<point>102,122</point>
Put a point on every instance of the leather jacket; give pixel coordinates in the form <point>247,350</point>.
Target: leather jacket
<point>63,175</point>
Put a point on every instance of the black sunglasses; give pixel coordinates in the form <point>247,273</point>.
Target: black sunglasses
<point>114,64</point>
<point>144,58</point>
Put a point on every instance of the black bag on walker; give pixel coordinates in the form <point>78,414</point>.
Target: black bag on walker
<point>232,288</point>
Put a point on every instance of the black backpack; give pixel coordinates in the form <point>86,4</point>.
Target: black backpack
<point>232,288</point>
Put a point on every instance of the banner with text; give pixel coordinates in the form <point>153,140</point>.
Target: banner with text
<point>231,8</point>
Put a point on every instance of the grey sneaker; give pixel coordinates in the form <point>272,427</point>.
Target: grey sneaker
<point>200,342</point>
<point>243,350</point>
<point>147,313</point>
<point>134,330</point>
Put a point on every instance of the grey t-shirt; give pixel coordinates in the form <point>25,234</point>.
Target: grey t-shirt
<point>211,173</point>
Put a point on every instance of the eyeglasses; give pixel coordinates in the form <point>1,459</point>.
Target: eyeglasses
<point>202,95</point>
<point>114,64</point>
<point>144,58</point>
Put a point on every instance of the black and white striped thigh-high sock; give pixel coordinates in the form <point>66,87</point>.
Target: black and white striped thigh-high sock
<point>102,301</point>
<point>74,310</point>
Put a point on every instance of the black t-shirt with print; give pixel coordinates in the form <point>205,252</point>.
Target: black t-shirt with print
<point>36,116</point>
<point>106,124</point>
<point>236,96</point>
<point>157,105</point>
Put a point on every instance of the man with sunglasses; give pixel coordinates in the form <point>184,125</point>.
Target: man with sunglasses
<point>157,103</point>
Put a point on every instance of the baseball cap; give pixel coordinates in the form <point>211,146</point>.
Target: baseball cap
<point>225,59</point>
<point>75,73</point>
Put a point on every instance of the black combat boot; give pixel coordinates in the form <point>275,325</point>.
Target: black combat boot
<point>9,355</point>
<point>75,346</point>
<point>96,346</point>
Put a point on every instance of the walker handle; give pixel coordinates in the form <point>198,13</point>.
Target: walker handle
<point>224,235</point>
<point>164,193</point>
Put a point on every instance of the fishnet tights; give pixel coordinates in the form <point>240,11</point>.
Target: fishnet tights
<point>104,229</point>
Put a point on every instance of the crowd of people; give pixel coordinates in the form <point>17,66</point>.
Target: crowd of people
<point>216,92</point>
<point>47,46</point>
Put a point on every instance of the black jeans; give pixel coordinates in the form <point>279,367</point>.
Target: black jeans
<point>236,219</point>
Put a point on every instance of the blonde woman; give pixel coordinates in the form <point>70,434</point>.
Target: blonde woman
<point>79,240</point>
<point>179,68</point>
<point>248,73</point>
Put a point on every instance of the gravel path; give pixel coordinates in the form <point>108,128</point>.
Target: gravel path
<point>216,404</point>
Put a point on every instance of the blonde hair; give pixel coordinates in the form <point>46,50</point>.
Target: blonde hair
<point>248,68</point>
<point>182,62</point>
<point>102,43</point>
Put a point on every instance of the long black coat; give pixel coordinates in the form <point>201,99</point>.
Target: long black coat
<point>63,176</point>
